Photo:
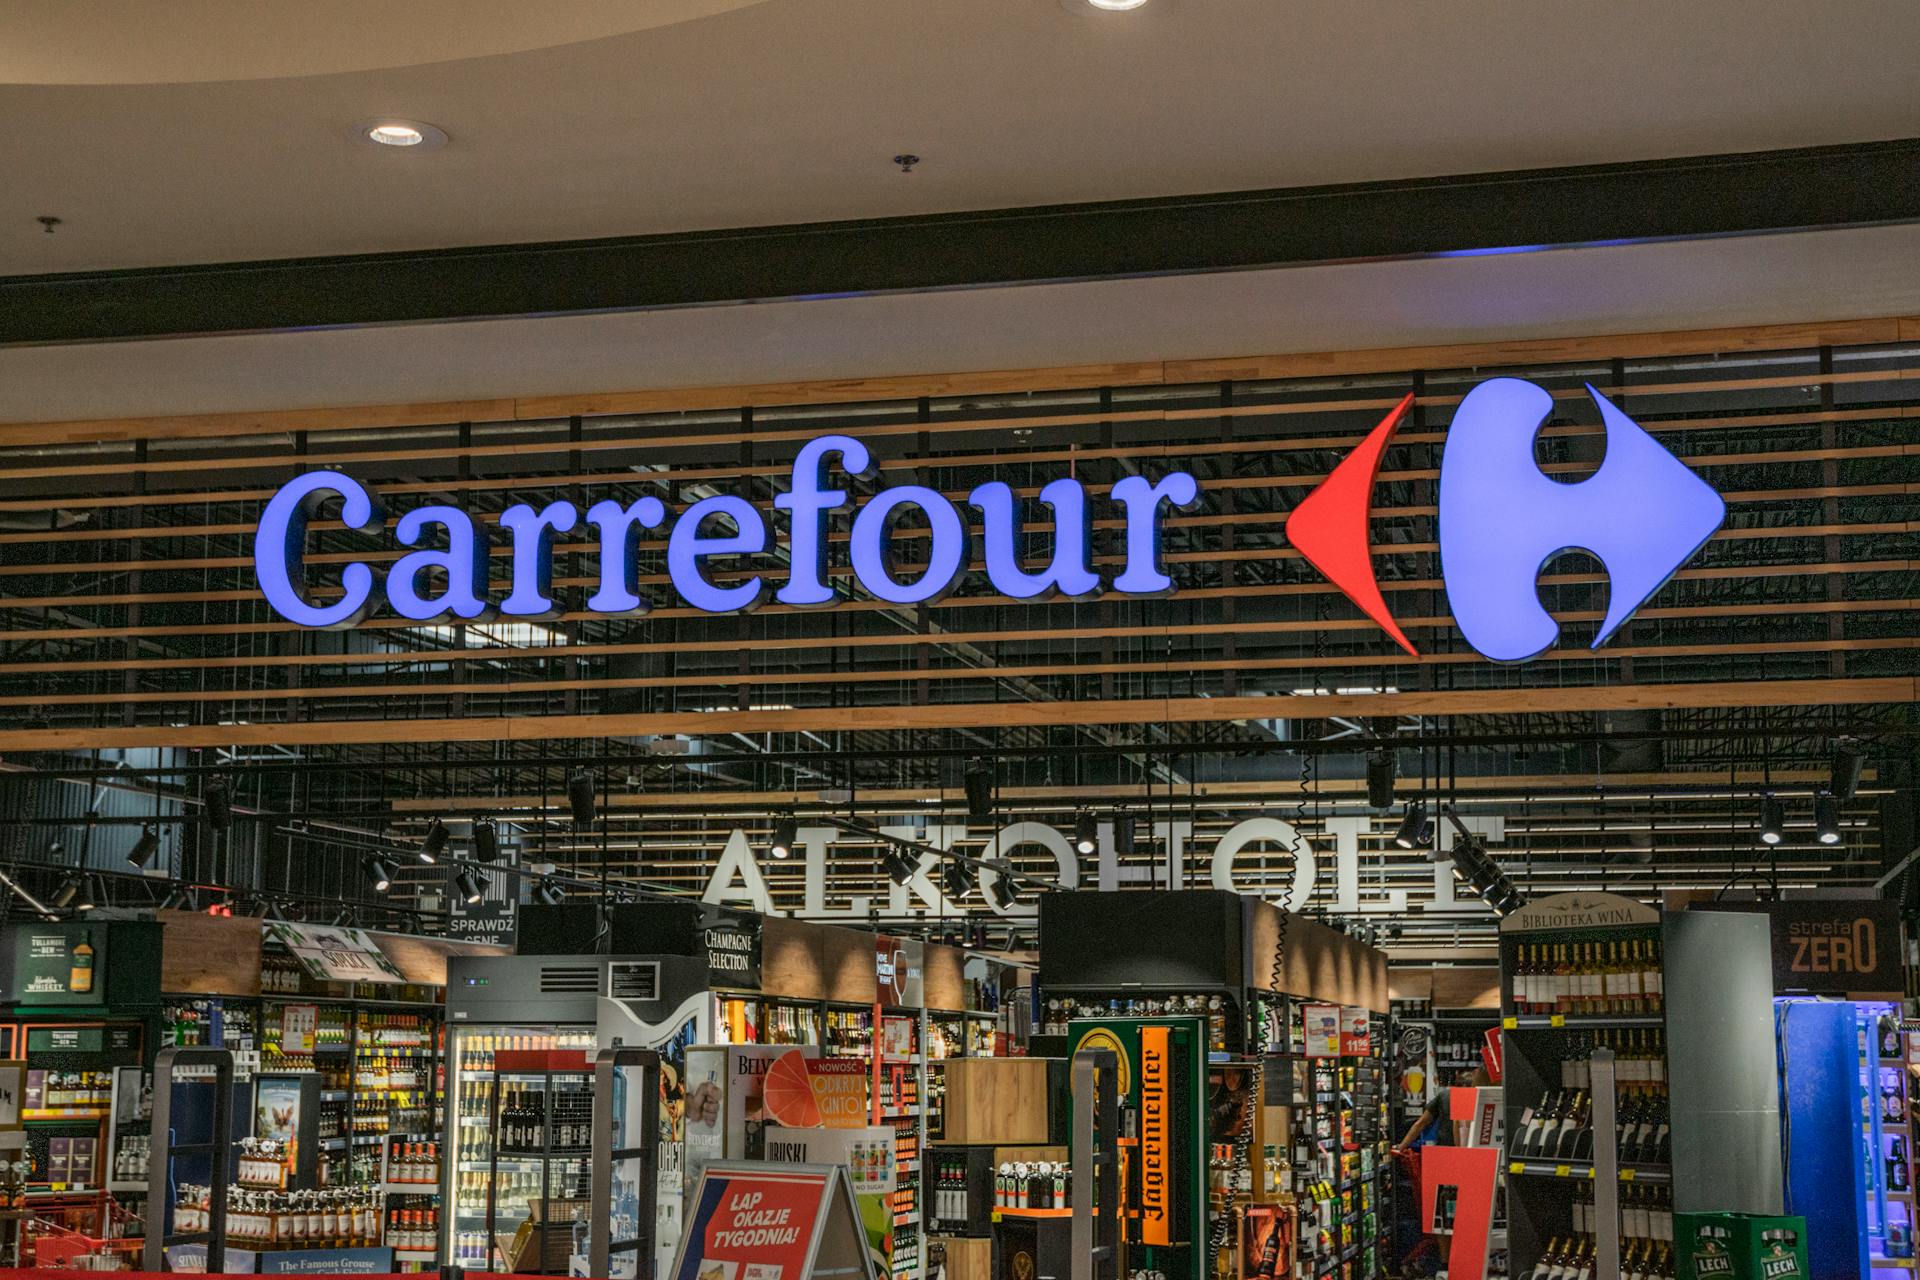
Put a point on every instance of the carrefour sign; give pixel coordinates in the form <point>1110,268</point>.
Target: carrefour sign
<point>1643,514</point>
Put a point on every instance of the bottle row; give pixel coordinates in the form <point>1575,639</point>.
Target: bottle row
<point>477,1053</point>
<point>1588,978</point>
<point>1639,1059</point>
<point>513,1192</point>
<point>1560,1127</point>
<point>382,1071</point>
<point>284,1219</point>
<point>1646,1212</point>
<point>414,1162</point>
<point>417,1230</point>
<point>51,1090</point>
<point>525,1124</point>
<point>132,1159</point>
<point>1572,1259</point>
<point>1038,1185</point>
<point>1062,1010</point>
<point>262,1162</point>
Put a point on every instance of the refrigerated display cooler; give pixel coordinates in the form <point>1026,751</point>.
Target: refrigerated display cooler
<point>510,1021</point>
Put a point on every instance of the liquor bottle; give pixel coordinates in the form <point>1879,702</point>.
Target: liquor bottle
<point>1897,1165</point>
<point>80,976</point>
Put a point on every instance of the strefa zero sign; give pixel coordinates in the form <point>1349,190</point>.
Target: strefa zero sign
<point>1643,514</point>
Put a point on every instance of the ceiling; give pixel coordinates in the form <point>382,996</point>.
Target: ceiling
<point>224,132</point>
<point>1699,284</point>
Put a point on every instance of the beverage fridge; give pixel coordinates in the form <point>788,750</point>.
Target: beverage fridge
<point>522,1034</point>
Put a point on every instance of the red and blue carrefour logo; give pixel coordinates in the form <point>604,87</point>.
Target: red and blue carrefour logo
<point>1643,514</point>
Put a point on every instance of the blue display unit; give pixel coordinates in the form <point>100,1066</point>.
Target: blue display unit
<point>1834,1146</point>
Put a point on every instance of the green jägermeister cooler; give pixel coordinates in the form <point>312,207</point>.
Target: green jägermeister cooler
<point>1739,1246</point>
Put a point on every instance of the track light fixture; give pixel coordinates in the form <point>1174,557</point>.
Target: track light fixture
<point>486,840</point>
<point>92,892</point>
<point>979,781</point>
<point>217,804</point>
<point>580,797</point>
<point>466,886</point>
<point>434,843</point>
<point>1826,818</point>
<point>1381,770</point>
<point>1126,829</point>
<point>1845,768</point>
<point>957,879</point>
<point>379,872</point>
<point>1773,820</point>
<point>68,891</point>
<point>898,866</point>
<point>1003,891</point>
<point>1085,834</point>
<point>1416,829</point>
<point>144,848</point>
<point>549,892</point>
<point>786,829</point>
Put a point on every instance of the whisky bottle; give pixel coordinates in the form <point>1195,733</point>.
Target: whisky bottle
<point>80,976</point>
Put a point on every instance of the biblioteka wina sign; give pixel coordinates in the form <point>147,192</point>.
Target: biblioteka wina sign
<point>739,879</point>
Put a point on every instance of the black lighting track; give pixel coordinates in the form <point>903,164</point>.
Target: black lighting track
<point>1859,184</point>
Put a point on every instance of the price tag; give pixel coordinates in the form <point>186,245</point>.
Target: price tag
<point>1516,1167</point>
<point>994,1216</point>
<point>1626,1175</point>
<point>1557,1020</point>
<point>1511,1024</point>
<point>1561,1170</point>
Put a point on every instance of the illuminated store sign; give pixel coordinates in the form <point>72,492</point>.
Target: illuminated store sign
<point>722,525</point>
<point>738,879</point>
<point>1643,514</point>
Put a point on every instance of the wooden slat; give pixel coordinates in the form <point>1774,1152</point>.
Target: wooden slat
<point>1005,715</point>
<point>889,675</point>
<point>670,476</point>
<point>795,644</point>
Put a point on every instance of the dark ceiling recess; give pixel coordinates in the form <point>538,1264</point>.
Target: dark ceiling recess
<point>1754,193</point>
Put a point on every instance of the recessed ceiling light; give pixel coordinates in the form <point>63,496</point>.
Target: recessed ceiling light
<point>1116,6</point>
<point>403,134</point>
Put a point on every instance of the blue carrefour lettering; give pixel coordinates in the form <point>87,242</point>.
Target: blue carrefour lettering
<point>885,560</point>
<point>280,549</point>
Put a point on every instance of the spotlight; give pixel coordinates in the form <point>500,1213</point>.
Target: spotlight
<point>1845,769</point>
<point>1125,829</point>
<point>979,792</point>
<point>435,842</point>
<point>1003,891</point>
<point>144,848</point>
<point>1416,829</point>
<point>957,878</point>
<point>1085,836</point>
<point>466,886</point>
<point>898,866</point>
<point>486,840</point>
<point>69,890</point>
<point>89,895</point>
<point>379,872</point>
<point>784,831</point>
<point>1381,768</point>
<point>1773,820</point>
<point>1826,818</point>
<point>580,797</point>
<point>217,802</point>
<point>549,892</point>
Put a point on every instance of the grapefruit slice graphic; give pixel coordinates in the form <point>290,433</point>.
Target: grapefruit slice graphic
<point>788,1095</point>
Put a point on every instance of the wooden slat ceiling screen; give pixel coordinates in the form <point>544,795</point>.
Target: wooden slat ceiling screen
<point>129,614</point>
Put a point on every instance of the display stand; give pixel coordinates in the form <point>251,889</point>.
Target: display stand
<point>160,1169</point>
<point>793,1221</point>
<point>1096,1165</point>
<point>610,1127</point>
